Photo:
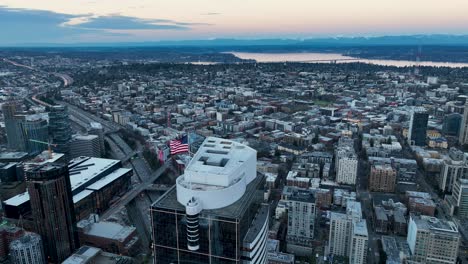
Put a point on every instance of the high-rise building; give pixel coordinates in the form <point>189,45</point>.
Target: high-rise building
<point>27,250</point>
<point>52,209</point>
<point>348,234</point>
<point>382,178</point>
<point>8,233</point>
<point>454,167</point>
<point>417,132</point>
<point>21,129</point>
<point>359,241</point>
<point>15,140</point>
<point>452,124</point>
<point>460,197</point>
<point>346,161</point>
<point>96,128</point>
<point>463,136</point>
<point>35,129</point>
<point>88,146</point>
<point>214,214</point>
<point>60,129</point>
<point>432,240</point>
<point>301,220</point>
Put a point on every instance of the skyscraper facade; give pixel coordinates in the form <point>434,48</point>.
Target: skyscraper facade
<point>60,129</point>
<point>417,132</point>
<point>15,140</point>
<point>463,136</point>
<point>27,250</point>
<point>214,214</point>
<point>348,234</point>
<point>52,209</point>
<point>432,240</point>
<point>301,219</point>
<point>35,129</point>
<point>382,178</point>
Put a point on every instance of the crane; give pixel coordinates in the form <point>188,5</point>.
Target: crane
<point>49,144</point>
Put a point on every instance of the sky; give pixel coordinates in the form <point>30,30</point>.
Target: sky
<point>94,21</point>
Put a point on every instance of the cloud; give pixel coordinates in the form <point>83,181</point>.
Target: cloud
<point>117,22</point>
<point>21,26</point>
<point>211,14</point>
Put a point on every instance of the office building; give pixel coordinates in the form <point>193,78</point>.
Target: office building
<point>348,233</point>
<point>35,130</point>
<point>8,233</point>
<point>417,131</point>
<point>88,146</point>
<point>14,137</point>
<point>452,124</point>
<point>463,136</point>
<point>432,240</point>
<point>382,178</point>
<point>346,162</point>
<point>347,169</point>
<point>359,241</point>
<point>111,237</point>
<point>301,220</point>
<point>96,128</point>
<point>52,209</point>
<point>214,214</point>
<point>454,167</point>
<point>27,249</point>
<point>460,198</point>
<point>94,183</point>
<point>60,129</point>
<point>22,130</point>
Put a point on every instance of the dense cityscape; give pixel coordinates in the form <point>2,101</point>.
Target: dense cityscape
<point>215,159</point>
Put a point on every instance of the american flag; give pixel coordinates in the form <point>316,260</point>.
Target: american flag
<point>179,145</point>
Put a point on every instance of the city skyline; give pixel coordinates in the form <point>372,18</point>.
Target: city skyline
<point>52,21</point>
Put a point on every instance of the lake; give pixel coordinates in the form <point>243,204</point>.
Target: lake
<point>311,57</point>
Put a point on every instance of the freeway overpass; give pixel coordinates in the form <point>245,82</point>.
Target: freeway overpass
<point>130,195</point>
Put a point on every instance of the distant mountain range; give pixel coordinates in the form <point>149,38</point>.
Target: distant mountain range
<point>426,40</point>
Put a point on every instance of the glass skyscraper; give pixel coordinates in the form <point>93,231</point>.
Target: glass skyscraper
<point>60,129</point>
<point>417,133</point>
<point>214,214</point>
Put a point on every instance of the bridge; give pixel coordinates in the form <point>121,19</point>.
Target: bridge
<point>133,193</point>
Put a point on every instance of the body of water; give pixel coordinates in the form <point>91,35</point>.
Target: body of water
<point>311,57</point>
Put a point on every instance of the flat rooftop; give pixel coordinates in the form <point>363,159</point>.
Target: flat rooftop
<point>109,230</point>
<point>84,169</point>
<point>217,162</point>
<point>435,224</point>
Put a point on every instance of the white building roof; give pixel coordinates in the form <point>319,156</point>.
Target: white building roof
<point>87,170</point>
<point>218,173</point>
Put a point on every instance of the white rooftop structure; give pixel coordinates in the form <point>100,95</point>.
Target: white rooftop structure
<point>87,169</point>
<point>218,174</point>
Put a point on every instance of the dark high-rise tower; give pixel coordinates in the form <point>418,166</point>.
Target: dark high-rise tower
<point>417,132</point>
<point>215,213</point>
<point>12,126</point>
<point>52,209</point>
<point>60,129</point>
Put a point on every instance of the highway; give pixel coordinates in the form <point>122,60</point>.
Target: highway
<point>132,194</point>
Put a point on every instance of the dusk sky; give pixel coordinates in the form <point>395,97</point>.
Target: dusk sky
<point>75,21</point>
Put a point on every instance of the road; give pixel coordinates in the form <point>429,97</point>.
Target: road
<point>129,196</point>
